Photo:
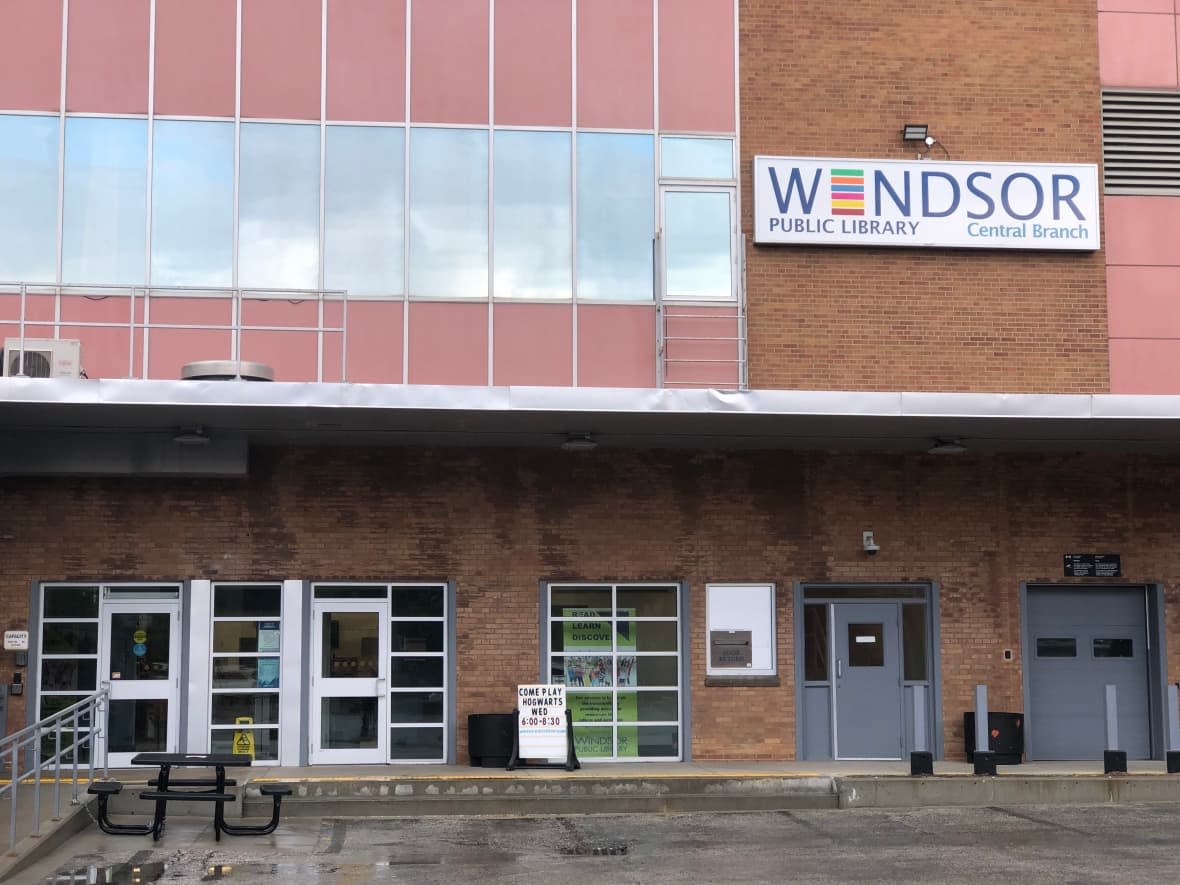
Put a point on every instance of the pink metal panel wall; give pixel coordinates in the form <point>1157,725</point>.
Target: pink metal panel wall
<point>449,62</point>
<point>697,65</point>
<point>616,345</point>
<point>375,342</point>
<point>533,63</point>
<point>367,60</point>
<point>533,344</point>
<point>30,63</point>
<point>615,69</point>
<point>196,56</point>
<point>281,59</point>
<point>448,343</point>
<point>107,67</point>
<point>1137,49</point>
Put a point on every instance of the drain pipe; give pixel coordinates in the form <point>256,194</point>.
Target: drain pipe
<point>985,759</point>
<point>921,759</point>
<point>1114,760</point>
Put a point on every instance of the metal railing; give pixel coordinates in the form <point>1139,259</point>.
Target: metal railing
<point>139,324</point>
<point>46,747</point>
<point>702,345</point>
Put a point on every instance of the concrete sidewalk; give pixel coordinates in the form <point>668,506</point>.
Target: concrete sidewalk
<point>420,790</point>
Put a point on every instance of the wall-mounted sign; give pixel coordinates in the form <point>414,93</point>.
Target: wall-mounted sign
<point>541,726</point>
<point>1093,565</point>
<point>845,202</point>
<point>16,640</point>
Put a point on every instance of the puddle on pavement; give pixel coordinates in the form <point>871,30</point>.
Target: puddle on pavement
<point>114,874</point>
<point>301,872</point>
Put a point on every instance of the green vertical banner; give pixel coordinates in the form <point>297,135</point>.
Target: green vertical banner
<point>595,659</point>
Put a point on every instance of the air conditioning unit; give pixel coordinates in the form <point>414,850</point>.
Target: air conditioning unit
<point>43,357</point>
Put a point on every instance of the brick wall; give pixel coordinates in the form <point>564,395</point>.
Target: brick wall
<point>497,522</point>
<point>1000,81</point>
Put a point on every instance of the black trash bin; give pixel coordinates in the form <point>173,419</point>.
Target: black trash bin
<point>1005,736</point>
<point>489,738</point>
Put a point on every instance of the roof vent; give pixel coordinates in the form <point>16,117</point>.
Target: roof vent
<point>227,370</point>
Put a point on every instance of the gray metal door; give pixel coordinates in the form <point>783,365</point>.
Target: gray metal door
<point>1080,641</point>
<point>867,686</point>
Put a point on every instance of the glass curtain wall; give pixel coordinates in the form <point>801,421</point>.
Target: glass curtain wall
<point>435,212</point>
<point>244,708</point>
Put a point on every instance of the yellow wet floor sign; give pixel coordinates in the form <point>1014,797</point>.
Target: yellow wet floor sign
<point>244,740</point>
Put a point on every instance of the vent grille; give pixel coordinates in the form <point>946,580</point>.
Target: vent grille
<point>1141,142</point>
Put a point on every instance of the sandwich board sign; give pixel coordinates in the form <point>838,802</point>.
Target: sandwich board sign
<point>541,722</point>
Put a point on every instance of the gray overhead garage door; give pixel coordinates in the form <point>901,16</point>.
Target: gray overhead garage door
<point>1081,640</point>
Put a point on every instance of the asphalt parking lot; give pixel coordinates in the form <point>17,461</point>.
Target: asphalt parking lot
<point>1059,844</point>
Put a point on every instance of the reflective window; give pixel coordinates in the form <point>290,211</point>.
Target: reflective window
<point>105,203</point>
<point>866,645</point>
<point>364,187</point>
<point>1057,647</point>
<point>1114,648</point>
<point>913,642</point>
<point>532,215</point>
<point>28,198</point>
<point>192,203</point>
<point>815,643</point>
<point>696,157</point>
<point>449,213</point>
<point>616,208</point>
<point>698,244</point>
<point>278,206</point>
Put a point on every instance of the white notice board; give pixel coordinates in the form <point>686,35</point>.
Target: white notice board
<point>541,721</point>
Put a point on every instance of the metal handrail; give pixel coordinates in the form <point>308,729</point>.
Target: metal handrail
<point>144,295</point>
<point>687,315</point>
<point>84,720</point>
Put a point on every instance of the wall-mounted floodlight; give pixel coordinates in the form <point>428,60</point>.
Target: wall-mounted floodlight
<point>915,132</point>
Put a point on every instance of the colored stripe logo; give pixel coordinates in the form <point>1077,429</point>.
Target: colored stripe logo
<point>848,192</point>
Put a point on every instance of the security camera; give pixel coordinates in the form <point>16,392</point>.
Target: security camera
<point>870,545</point>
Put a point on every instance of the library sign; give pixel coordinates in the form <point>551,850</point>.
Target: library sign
<point>817,200</point>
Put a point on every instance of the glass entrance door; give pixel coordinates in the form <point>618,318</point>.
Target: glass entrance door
<point>350,672</point>
<point>139,662</point>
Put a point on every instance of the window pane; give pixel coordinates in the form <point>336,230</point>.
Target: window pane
<point>697,245</point>
<point>278,206</point>
<point>416,706</point>
<point>913,641</point>
<point>417,636</point>
<point>364,186</point>
<point>815,643</point>
<point>418,602</point>
<point>28,198</point>
<point>416,672</point>
<point>866,645</point>
<point>592,742</point>
<point>104,233</point>
<point>262,708</point>
<point>659,670</point>
<point>246,673</point>
<point>449,213</point>
<point>1057,647</point>
<point>588,706</point>
<point>696,157</point>
<point>266,742</point>
<point>578,599</point>
<point>616,215</point>
<point>69,674</point>
<point>59,638</point>
<point>192,203</point>
<point>1114,648</point>
<point>648,602</point>
<point>346,591</point>
<point>649,706</point>
<point>416,743</point>
<point>71,602</point>
<point>247,601</point>
<point>532,215</point>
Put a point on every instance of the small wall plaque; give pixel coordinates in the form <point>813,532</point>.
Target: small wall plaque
<point>1093,565</point>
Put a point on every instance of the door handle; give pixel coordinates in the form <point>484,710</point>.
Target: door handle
<point>839,668</point>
